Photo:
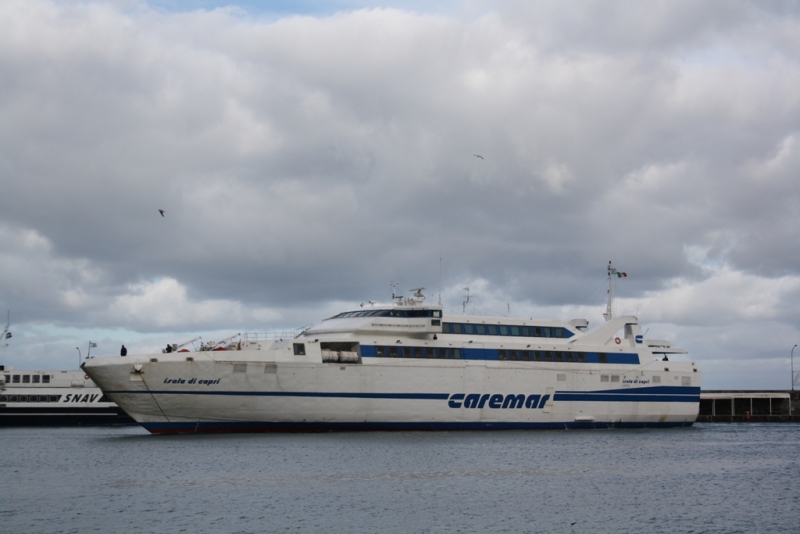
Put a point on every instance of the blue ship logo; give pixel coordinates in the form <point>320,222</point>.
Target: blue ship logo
<point>496,401</point>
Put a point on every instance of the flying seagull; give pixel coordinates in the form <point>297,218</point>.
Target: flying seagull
<point>161,212</point>
<point>478,156</point>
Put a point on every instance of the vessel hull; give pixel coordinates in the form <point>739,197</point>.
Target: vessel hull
<point>249,394</point>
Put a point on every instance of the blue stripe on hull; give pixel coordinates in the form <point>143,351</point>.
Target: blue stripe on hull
<point>607,397</point>
<point>243,426</point>
<point>643,394</point>
<point>342,395</point>
<point>647,394</point>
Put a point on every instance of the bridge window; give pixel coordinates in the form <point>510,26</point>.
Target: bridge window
<point>55,398</point>
<point>456,328</point>
<point>8,379</point>
<point>26,379</point>
<point>469,329</point>
<point>602,358</point>
<point>299,349</point>
<point>526,355</point>
<point>582,357</point>
<point>492,329</point>
<point>380,352</point>
<point>570,357</point>
<point>559,356</point>
<point>35,379</point>
<point>514,330</point>
<point>480,329</point>
<point>503,330</point>
<point>393,352</point>
<point>526,331</point>
<point>419,352</point>
<point>406,352</point>
<point>501,354</point>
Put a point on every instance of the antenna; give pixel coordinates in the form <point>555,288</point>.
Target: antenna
<point>464,304</point>
<point>394,290</point>
<point>441,248</point>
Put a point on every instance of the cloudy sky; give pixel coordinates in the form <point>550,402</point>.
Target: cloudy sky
<point>309,154</point>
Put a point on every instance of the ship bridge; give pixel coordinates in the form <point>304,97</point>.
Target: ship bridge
<point>408,316</point>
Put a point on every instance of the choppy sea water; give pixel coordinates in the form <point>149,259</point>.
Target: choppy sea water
<point>711,478</point>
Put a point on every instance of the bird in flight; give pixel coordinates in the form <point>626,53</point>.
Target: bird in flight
<point>478,156</point>
<point>161,212</point>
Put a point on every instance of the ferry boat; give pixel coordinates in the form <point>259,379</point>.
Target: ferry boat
<point>408,366</point>
<point>54,398</point>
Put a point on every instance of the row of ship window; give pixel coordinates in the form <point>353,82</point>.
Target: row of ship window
<point>466,328</point>
<point>30,398</point>
<point>442,353</point>
<point>502,354</point>
<point>27,379</point>
<point>505,330</point>
<point>545,356</point>
<point>389,313</point>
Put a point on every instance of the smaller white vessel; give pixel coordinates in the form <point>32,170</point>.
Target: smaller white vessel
<point>54,398</point>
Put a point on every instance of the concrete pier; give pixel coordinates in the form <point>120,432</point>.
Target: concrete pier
<point>749,406</point>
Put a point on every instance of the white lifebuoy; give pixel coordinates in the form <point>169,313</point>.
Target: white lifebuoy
<point>86,377</point>
<point>617,340</point>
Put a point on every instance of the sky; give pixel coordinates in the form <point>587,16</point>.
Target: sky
<point>309,155</point>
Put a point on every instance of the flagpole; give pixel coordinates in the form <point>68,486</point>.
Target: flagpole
<point>610,301</point>
<point>610,304</point>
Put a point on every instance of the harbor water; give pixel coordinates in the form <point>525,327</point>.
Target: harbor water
<point>710,478</point>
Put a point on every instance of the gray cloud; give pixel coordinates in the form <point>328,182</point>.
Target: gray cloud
<point>304,162</point>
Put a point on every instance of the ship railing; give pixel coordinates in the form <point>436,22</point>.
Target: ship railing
<point>249,337</point>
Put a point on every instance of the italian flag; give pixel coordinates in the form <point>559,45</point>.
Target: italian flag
<point>622,275</point>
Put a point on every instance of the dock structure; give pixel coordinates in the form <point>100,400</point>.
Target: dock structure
<point>745,406</point>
